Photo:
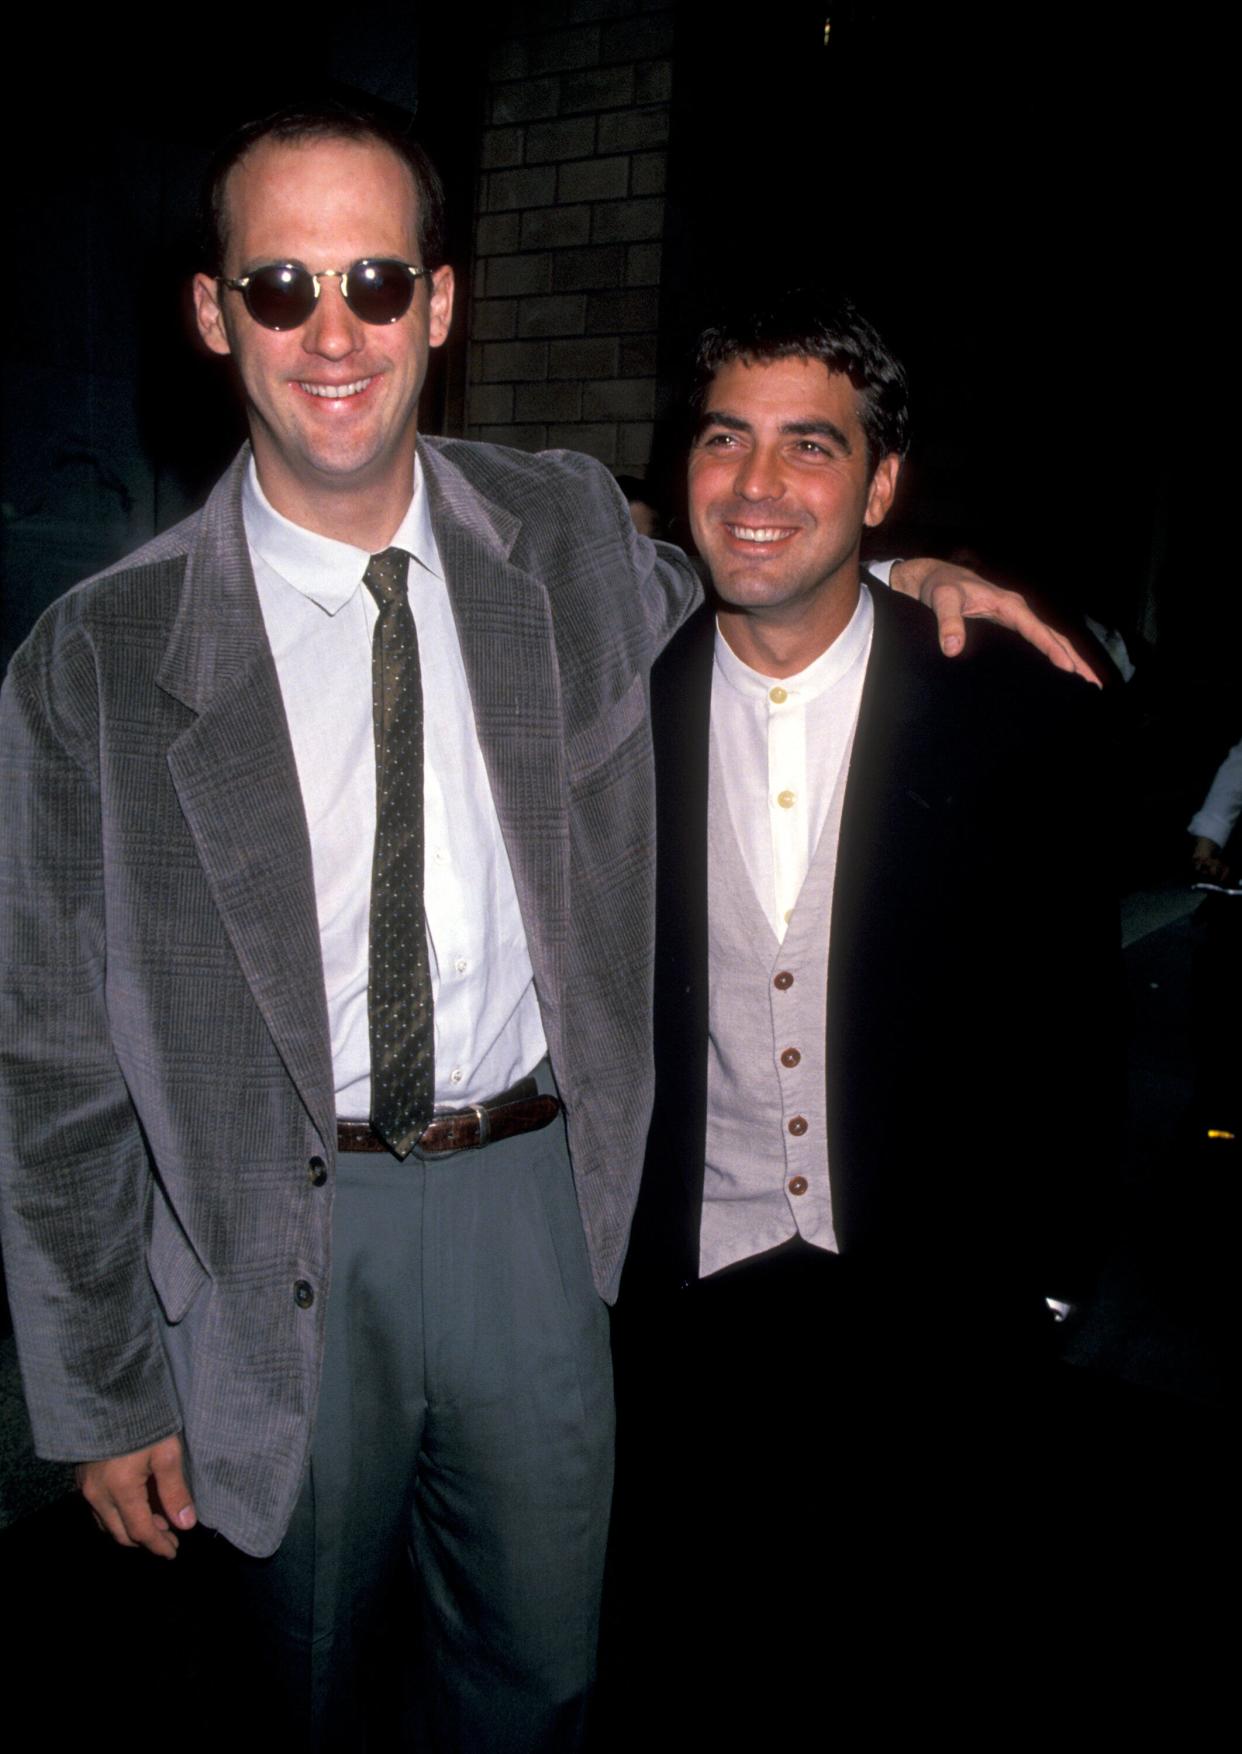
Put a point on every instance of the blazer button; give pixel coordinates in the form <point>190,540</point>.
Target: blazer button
<point>783,981</point>
<point>303,1293</point>
<point>316,1172</point>
<point>797,1126</point>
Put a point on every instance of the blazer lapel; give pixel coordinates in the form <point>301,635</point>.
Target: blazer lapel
<point>504,623</point>
<point>884,922</point>
<point>895,768</point>
<point>237,783</point>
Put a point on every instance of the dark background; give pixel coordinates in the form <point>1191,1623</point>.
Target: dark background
<point>1028,199</point>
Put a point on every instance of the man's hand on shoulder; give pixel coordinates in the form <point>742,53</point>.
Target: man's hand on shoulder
<point>955,594</point>
<point>140,1499</point>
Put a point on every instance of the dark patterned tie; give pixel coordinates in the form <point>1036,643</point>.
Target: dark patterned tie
<point>399,1006</point>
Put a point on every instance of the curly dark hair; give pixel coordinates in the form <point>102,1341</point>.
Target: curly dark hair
<point>810,323</point>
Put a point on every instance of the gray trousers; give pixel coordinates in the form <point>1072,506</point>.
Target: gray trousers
<point>465,1436</point>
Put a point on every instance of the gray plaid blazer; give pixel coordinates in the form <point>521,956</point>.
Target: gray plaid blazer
<point>163,1033</point>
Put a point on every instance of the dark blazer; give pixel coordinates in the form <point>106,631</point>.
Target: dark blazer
<point>971,974</point>
<point>167,1134</point>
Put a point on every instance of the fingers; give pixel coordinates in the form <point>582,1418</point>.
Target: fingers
<point>947,608</point>
<point>956,595</point>
<point>171,1492</point>
<point>116,1491</point>
<point>1014,612</point>
<point>137,1498</point>
<point>953,605</point>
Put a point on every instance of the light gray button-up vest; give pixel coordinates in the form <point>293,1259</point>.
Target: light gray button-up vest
<point>767,1147</point>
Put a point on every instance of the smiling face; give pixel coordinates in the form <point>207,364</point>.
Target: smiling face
<point>332,405</point>
<point>780,489</point>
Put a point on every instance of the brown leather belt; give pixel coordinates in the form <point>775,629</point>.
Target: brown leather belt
<point>520,1109</point>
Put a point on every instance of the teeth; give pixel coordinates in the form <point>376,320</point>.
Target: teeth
<point>749,533</point>
<point>334,392</point>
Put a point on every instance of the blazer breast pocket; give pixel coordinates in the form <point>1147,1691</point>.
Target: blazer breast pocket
<point>590,748</point>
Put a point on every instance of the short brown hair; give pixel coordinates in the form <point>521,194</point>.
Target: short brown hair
<point>327,121</point>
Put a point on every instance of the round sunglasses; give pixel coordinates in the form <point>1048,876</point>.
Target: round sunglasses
<point>282,295</point>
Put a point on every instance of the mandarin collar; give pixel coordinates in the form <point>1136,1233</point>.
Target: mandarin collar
<point>823,673</point>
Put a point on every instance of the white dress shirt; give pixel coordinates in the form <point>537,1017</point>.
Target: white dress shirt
<point>1223,804</point>
<point>782,742</point>
<point>320,618</point>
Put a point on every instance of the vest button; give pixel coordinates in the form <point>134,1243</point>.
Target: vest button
<point>783,981</point>
<point>303,1294</point>
<point>316,1172</point>
<point>790,1057</point>
<point>798,1184</point>
<point>797,1126</point>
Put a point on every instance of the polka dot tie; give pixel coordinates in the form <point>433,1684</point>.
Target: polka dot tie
<point>399,1005</point>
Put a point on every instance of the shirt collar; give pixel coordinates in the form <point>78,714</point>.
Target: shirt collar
<point>324,570</point>
<point>823,673</point>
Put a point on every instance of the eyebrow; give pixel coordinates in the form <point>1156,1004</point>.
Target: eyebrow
<point>794,428</point>
<point>273,262</point>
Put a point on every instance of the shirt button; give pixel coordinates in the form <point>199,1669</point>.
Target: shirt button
<point>461,965</point>
<point>797,1126</point>
<point>440,856</point>
<point>798,1184</point>
<point>456,1075</point>
<point>783,981</point>
<point>778,695</point>
<point>303,1293</point>
<point>790,1057</point>
<point>786,799</point>
<point>316,1172</point>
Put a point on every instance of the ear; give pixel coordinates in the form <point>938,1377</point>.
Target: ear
<point>209,314</point>
<point>441,305</point>
<point>883,487</point>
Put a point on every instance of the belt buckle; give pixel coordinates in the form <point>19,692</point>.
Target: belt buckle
<point>485,1124</point>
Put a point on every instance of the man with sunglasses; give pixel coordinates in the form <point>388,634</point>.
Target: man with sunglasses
<point>293,1240</point>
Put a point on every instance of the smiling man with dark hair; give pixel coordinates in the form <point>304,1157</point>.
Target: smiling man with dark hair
<point>834,1322</point>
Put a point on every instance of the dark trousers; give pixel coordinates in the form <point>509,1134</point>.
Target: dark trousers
<point>439,1585</point>
<point>819,1476</point>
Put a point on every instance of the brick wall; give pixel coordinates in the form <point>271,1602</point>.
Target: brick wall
<point>566,271</point>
